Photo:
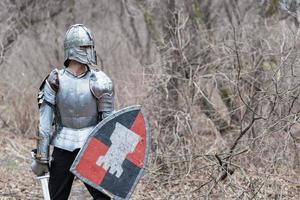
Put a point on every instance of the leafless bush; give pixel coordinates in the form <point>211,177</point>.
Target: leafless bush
<point>239,81</point>
<point>219,80</point>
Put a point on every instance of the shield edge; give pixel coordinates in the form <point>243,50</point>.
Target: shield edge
<point>93,132</point>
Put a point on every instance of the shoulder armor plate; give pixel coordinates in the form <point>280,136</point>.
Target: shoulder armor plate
<point>48,88</point>
<point>100,84</point>
<point>53,80</point>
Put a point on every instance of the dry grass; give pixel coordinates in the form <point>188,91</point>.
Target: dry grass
<point>219,81</point>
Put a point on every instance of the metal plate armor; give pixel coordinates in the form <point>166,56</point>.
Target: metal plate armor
<point>79,36</point>
<point>46,102</point>
<point>77,109</point>
<point>102,88</point>
<point>75,103</point>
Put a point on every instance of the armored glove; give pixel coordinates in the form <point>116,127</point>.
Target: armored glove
<point>39,168</point>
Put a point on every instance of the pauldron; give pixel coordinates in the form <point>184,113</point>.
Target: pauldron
<point>102,88</point>
<point>48,88</point>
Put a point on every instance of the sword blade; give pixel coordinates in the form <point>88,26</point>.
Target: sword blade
<point>44,183</point>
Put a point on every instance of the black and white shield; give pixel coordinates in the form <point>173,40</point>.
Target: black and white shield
<point>115,154</point>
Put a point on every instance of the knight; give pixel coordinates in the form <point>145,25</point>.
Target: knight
<point>71,101</point>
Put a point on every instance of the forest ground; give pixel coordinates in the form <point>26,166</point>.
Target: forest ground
<point>16,179</point>
<point>17,182</point>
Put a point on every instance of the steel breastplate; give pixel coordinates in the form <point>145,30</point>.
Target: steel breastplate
<point>76,111</point>
<point>76,105</point>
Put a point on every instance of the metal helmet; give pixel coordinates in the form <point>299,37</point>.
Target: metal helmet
<point>79,45</point>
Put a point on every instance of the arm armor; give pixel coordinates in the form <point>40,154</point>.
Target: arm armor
<point>46,102</point>
<point>102,88</point>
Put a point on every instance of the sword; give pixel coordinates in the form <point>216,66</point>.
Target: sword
<point>44,183</point>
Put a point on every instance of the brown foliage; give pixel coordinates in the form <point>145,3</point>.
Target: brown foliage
<point>219,80</point>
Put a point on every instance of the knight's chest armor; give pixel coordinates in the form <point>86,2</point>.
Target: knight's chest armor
<point>76,105</point>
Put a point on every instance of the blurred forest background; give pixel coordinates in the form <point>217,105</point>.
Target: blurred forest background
<point>219,80</point>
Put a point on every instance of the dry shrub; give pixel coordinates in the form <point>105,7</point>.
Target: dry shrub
<point>219,81</point>
<point>19,111</point>
<point>223,103</point>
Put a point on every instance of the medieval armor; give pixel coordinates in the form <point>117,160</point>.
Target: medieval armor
<point>79,103</point>
<point>79,45</point>
<point>74,104</point>
<point>38,167</point>
<point>102,87</point>
<point>46,101</point>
